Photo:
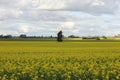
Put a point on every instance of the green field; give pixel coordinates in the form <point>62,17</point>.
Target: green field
<point>51,60</point>
<point>64,39</point>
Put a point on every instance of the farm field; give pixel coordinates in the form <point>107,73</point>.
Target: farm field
<point>65,39</point>
<point>50,60</point>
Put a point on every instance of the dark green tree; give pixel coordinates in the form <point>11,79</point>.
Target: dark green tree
<point>59,36</point>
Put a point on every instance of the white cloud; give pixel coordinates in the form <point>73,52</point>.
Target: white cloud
<point>24,28</point>
<point>8,32</point>
<point>79,17</point>
<point>10,13</point>
<point>88,6</point>
<point>2,12</point>
<point>48,4</point>
<point>76,31</point>
<point>67,25</point>
<point>98,3</point>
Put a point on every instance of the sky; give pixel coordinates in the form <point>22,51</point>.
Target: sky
<point>47,17</point>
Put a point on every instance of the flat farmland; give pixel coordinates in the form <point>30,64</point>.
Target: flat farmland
<point>50,60</point>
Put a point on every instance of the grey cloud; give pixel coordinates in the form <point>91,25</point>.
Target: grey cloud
<point>88,6</point>
<point>27,16</point>
<point>94,6</point>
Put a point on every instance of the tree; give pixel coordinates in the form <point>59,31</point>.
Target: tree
<point>23,36</point>
<point>1,36</point>
<point>7,36</point>
<point>104,37</point>
<point>73,36</point>
<point>59,36</point>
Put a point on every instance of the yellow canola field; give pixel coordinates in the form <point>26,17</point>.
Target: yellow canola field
<point>59,61</point>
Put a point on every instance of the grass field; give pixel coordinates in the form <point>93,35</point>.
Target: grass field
<point>50,60</point>
<point>64,39</point>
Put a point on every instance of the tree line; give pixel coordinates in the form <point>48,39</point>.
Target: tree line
<point>70,36</point>
<point>25,36</point>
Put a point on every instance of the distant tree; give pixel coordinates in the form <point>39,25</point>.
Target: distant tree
<point>1,36</point>
<point>59,36</point>
<point>23,36</point>
<point>73,36</point>
<point>7,36</point>
<point>90,38</point>
<point>51,36</point>
<point>97,38</point>
<point>104,37</point>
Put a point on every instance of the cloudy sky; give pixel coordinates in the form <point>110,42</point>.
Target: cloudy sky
<point>47,17</point>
